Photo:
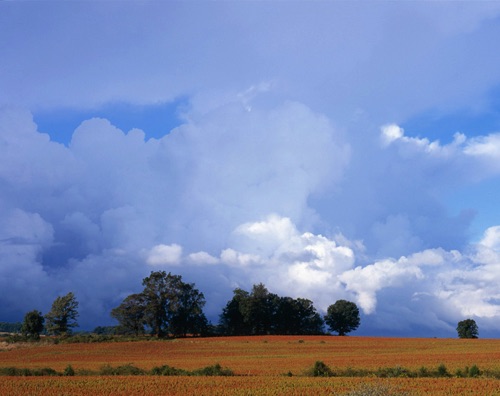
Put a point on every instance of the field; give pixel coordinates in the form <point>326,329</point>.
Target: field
<point>264,365</point>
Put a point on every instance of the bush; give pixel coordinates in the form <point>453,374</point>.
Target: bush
<point>320,369</point>
<point>127,369</point>
<point>473,371</point>
<point>393,372</point>
<point>68,371</point>
<point>167,370</point>
<point>26,372</point>
<point>215,370</point>
<point>442,371</point>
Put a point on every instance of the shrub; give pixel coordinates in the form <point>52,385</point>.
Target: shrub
<point>442,371</point>
<point>215,370</point>
<point>68,371</point>
<point>167,370</point>
<point>127,369</point>
<point>473,371</point>
<point>423,372</point>
<point>393,372</point>
<point>320,369</point>
<point>44,371</point>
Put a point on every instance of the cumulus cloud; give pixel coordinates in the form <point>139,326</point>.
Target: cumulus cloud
<point>279,170</point>
<point>161,255</point>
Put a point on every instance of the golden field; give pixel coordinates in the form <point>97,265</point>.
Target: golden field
<point>260,365</point>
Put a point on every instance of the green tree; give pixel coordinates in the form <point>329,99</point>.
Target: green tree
<point>232,321</point>
<point>63,314</point>
<point>297,316</point>
<point>186,314</point>
<point>259,309</point>
<point>32,324</point>
<point>130,314</point>
<point>342,317</point>
<point>467,329</point>
<point>170,305</point>
<point>262,312</point>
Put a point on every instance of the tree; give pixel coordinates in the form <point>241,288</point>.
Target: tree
<point>467,329</point>
<point>32,324</point>
<point>186,315</point>
<point>297,316</point>
<point>261,312</point>
<point>130,314</point>
<point>63,314</point>
<point>232,321</point>
<point>168,305</point>
<point>258,310</point>
<point>342,317</point>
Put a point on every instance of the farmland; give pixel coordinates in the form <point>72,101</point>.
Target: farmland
<point>263,365</point>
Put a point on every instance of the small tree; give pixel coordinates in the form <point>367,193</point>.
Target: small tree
<point>467,329</point>
<point>63,314</point>
<point>32,325</point>
<point>342,317</point>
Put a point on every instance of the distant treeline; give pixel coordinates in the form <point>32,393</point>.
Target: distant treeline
<point>167,306</point>
<point>6,327</point>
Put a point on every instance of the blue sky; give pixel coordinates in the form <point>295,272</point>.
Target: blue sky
<point>334,150</point>
<point>156,120</point>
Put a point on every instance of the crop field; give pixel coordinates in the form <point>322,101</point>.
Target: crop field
<point>262,365</point>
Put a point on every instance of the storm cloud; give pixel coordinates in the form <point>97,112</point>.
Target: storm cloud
<point>295,160</point>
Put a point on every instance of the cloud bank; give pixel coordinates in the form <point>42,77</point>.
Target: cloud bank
<point>290,164</point>
<point>225,201</point>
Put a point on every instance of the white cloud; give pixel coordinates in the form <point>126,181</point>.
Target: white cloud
<point>161,255</point>
<point>264,132</point>
<point>390,133</point>
<point>202,258</point>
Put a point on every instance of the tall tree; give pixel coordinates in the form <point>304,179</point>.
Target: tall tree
<point>63,314</point>
<point>297,316</point>
<point>259,309</point>
<point>32,324</point>
<point>342,317</point>
<point>130,314</point>
<point>262,312</point>
<point>186,314</point>
<point>467,329</point>
<point>172,306</point>
<point>310,321</point>
<point>232,320</point>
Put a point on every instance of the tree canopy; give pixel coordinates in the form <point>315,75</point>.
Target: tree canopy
<point>467,329</point>
<point>32,324</point>
<point>166,305</point>
<point>342,317</point>
<point>62,316</point>
<point>262,312</point>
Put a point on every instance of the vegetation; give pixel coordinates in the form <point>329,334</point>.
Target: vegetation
<point>467,329</point>
<point>261,366</point>
<point>342,317</point>
<point>62,316</point>
<point>6,327</point>
<point>167,305</point>
<point>32,325</point>
<point>319,369</point>
<point>261,312</point>
<point>126,369</point>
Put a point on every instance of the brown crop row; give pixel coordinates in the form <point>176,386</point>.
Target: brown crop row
<point>234,386</point>
<point>259,363</point>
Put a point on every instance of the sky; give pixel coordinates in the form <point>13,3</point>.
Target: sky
<point>330,150</point>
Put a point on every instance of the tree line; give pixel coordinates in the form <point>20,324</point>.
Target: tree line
<point>167,306</point>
